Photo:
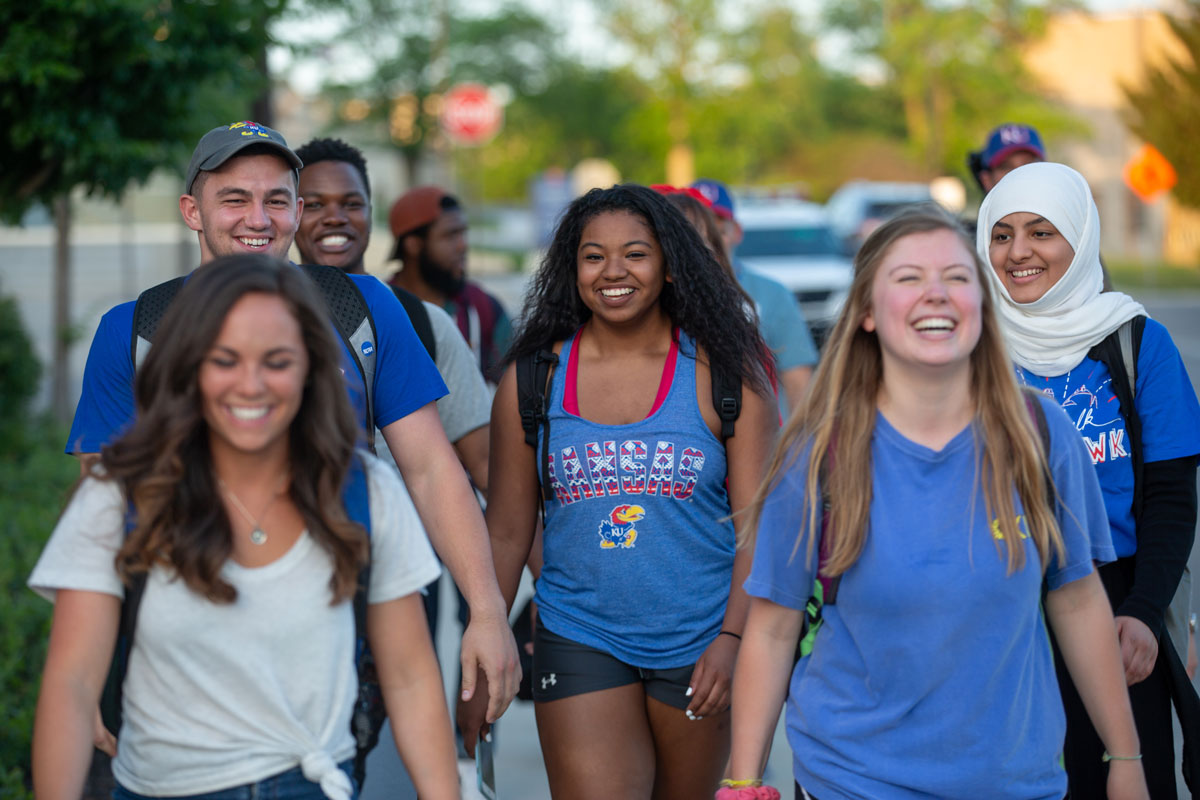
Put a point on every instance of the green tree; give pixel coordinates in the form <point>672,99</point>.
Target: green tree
<point>957,67</point>
<point>410,51</point>
<point>99,93</point>
<point>1165,109</point>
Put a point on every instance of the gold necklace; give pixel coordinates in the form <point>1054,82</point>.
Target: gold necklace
<point>257,534</point>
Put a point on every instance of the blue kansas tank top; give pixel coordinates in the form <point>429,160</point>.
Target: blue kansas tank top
<point>638,548</point>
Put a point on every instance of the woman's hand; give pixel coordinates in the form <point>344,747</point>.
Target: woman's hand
<point>712,679</point>
<point>471,717</point>
<point>102,737</point>
<point>1139,649</point>
<point>1126,781</point>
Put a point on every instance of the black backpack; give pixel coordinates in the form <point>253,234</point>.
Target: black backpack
<point>347,307</point>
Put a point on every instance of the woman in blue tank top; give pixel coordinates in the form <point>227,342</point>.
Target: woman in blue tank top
<point>639,595</point>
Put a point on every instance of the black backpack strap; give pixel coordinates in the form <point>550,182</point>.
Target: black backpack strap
<point>369,713</point>
<point>147,313</point>
<point>1119,353</point>
<point>354,324</point>
<point>533,375</point>
<point>112,694</point>
<point>726,399</point>
<point>418,314</point>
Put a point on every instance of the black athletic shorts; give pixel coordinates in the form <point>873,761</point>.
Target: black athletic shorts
<point>563,668</point>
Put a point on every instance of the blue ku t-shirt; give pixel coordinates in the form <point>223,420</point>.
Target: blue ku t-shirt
<point>1165,402</point>
<point>932,675</point>
<point>405,377</point>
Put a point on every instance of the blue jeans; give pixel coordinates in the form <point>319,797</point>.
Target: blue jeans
<point>290,785</point>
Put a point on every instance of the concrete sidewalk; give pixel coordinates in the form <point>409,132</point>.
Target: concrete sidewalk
<point>520,772</point>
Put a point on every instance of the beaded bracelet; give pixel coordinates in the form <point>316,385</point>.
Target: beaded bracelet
<point>1106,757</point>
<point>747,790</point>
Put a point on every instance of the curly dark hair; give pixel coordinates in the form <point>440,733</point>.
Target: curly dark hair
<point>163,462</point>
<point>319,150</point>
<point>702,299</point>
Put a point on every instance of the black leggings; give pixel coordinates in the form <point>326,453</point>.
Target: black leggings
<point>1151,701</point>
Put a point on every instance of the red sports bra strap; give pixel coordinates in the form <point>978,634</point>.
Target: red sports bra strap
<point>570,390</point>
<point>668,374</point>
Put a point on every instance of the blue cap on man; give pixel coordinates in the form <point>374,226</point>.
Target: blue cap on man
<point>716,194</point>
<point>1011,138</point>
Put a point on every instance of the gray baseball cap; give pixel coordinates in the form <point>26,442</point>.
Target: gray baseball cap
<point>223,143</point>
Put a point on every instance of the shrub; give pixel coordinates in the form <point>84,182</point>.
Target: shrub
<point>33,488</point>
<point>19,373</point>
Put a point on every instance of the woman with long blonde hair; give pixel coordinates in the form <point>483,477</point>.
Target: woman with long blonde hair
<point>911,494</point>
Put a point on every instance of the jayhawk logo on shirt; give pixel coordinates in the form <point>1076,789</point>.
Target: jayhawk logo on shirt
<point>618,530</point>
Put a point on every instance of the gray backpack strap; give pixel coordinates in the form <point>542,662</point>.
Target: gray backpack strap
<point>354,323</point>
<point>1125,340</point>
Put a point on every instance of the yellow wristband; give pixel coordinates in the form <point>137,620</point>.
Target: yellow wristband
<point>1106,757</point>
<point>742,784</point>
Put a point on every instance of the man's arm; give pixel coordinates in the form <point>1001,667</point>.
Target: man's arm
<point>452,518</point>
<point>472,451</point>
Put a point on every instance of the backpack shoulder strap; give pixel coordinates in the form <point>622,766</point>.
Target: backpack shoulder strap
<point>354,324</point>
<point>533,376</point>
<point>726,399</point>
<point>366,720</point>
<point>418,314</point>
<point>113,692</point>
<point>1119,353</point>
<point>147,313</point>
<point>358,509</point>
<point>1038,414</point>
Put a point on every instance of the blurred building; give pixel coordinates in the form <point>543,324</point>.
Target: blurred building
<point>1085,60</point>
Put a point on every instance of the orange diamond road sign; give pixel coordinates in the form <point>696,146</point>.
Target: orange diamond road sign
<point>1149,174</point>
<point>470,115</point>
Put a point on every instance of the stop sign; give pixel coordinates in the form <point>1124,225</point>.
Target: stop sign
<point>470,115</point>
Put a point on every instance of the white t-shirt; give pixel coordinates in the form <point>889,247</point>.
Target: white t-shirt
<point>220,695</point>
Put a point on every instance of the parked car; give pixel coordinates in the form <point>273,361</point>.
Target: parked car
<point>794,244</point>
<point>858,207</point>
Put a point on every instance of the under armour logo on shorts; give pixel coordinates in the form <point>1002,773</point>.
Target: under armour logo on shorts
<point>549,680</point>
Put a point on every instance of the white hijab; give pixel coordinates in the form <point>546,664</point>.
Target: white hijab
<point>1051,335</point>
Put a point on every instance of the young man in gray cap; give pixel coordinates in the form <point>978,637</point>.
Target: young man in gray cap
<point>241,195</point>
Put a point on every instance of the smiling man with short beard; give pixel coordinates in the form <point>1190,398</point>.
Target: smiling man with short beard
<point>431,246</point>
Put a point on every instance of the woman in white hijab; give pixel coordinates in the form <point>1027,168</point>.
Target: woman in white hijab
<point>1040,231</point>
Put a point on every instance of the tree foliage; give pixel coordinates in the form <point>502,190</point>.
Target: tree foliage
<point>98,93</point>
<point>1165,109</point>
<point>410,51</point>
<point>958,67</point>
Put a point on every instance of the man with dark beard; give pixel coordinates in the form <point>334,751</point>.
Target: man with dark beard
<point>431,246</point>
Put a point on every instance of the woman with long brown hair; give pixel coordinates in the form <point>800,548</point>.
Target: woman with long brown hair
<point>224,500</point>
<point>911,501</point>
